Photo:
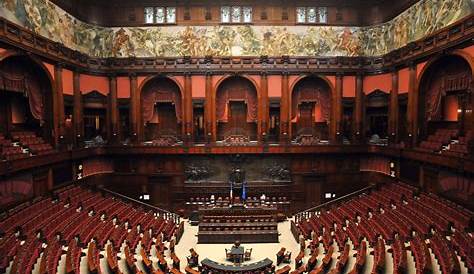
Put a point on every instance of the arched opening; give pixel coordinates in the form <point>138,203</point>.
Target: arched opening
<point>310,110</point>
<point>376,115</point>
<point>445,106</point>
<point>95,118</point>
<point>161,111</point>
<point>236,111</point>
<point>26,108</point>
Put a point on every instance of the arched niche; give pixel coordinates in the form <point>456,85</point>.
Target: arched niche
<point>162,112</point>
<point>236,108</point>
<point>26,96</point>
<point>310,108</point>
<point>444,96</point>
<point>376,115</point>
<point>94,115</point>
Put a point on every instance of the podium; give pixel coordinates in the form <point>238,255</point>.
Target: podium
<point>238,223</point>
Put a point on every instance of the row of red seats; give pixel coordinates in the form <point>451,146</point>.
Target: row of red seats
<point>462,147</point>
<point>16,135</point>
<point>13,153</point>
<point>456,214</point>
<point>430,146</point>
<point>51,218</point>
<point>445,254</point>
<point>373,215</point>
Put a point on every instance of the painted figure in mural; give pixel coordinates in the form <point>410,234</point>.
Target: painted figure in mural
<point>65,24</point>
<point>188,42</point>
<point>33,16</point>
<point>249,42</point>
<point>121,46</point>
<point>348,42</point>
<point>9,4</point>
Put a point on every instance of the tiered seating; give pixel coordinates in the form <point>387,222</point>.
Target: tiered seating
<point>435,142</point>
<point>395,215</point>
<point>9,151</point>
<point>81,219</point>
<point>35,144</point>
<point>461,147</point>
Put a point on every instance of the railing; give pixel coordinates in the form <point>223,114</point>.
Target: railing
<point>308,213</point>
<point>167,215</point>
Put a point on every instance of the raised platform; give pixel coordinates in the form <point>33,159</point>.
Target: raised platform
<point>247,268</point>
<point>244,236</point>
<point>237,223</point>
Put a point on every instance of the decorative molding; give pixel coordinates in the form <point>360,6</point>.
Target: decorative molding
<point>458,35</point>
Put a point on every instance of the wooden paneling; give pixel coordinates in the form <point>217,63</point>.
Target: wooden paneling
<point>273,12</point>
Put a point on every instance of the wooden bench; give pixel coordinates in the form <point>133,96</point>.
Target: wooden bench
<point>284,270</point>
<point>189,270</point>
<point>176,261</point>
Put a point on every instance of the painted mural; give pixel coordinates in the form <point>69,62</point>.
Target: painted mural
<point>423,18</point>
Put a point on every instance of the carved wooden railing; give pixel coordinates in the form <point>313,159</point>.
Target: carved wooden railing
<point>308,213</point>
<point>455,35</point>
<point>167,215</point>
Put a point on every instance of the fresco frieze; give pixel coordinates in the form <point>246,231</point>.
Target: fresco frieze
<point>420,20</point>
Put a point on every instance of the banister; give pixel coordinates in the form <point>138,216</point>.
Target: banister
<point>166,214</point>
<point>308,212</point>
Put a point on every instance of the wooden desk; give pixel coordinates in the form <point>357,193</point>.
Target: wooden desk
<point>223,268</point>
<point>244,236</point>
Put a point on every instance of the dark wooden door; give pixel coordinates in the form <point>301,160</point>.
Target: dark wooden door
<point>238,117</point>
<point>305,121</point>
<point>168,123</point>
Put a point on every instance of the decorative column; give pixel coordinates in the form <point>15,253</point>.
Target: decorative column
<point>188,108</point>
<point>393,115</point>
<point>358,131</point>
<point>77,114</point>
<point>114,112</point>
<point>58,105</point>
<point>284,109</point>
<point>208,128</point>
<point>412,107</point>
<point>263,108</point>
<point>134,122</point>
<point>336,124</point>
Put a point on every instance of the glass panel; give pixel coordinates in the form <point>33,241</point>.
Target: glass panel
<point>170,15</point>
<point>247,11</point>
<point>160,15</point>
<point>236,14</point>
<point>311,15</point>
<point>149,15</point>
<point>225,14</point>
<point>323,15</point>
<point>300,15</point>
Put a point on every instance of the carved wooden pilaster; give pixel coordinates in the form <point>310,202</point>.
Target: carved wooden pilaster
<point>58,105</point>
<point>78,110</point>
<point>358,112</point>
<point>134,121</point>
<point>393,110</point>
<point>188,108</point>
<point>412,108</point>
<point>208,111</point>
<point>114,112</point>
<point>284,109</point>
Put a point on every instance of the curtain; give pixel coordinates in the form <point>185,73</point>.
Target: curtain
<point>18,82</point>
<point>236,94</point>
<point>315,95</point>
<point>152,96</point>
